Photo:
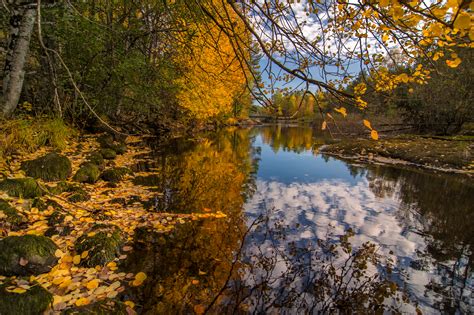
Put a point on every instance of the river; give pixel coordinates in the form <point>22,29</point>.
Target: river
<point>304,232</point>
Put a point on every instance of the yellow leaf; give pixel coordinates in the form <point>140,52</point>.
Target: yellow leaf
<point>367,124</point>
<point>141,276</point>
<point>76,260</point>
<point>463,21</point>
<point>342,111</point>
<point>323,127</point>
<point>403,77</point>
<point>374,134</point>
<point>136,283</point>
<point>58,253</point>
<point>84,254</point>
<point>130,304</point>
<point>453,63</point>
<point>92,284</point>
<point>82,301</point>
<point>195,282</point>
<point>67,259</point>
<point>18,290</point>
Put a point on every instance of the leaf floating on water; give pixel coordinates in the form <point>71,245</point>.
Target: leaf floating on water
<point>139,278</point>
<point>374,134</point>
<point>367,124</point>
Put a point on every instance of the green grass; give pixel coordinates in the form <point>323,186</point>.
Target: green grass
<point>28,135</point>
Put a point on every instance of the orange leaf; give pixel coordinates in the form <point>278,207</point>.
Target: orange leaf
<point>374,134</point>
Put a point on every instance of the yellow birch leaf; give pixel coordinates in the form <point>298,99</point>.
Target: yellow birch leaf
<point>18,290</point>
<point>92,284</point>
<point>141,276</point>
<point>374,134</point>
<point>342,111</point>
<point>76,260</point>
<point>367,124</point>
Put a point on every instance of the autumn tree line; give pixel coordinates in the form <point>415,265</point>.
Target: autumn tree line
<point>182,63</point>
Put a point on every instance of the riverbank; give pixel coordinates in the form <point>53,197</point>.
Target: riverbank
<point>70,220</point>
<point>447,154</point>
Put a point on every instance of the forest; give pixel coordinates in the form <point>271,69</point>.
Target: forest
<point>135,137</point>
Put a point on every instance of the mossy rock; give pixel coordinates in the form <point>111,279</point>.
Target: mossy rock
<point>38,251</point>
<point>108,154</point>
<point>58,230</point>
<point>87,173</point>
<point>21,187</point>
<point>96,158</point>
<point>104,307</point>
<point>79,196</point>
<point>42,205</point>
<point>150,180</point>
<point>11,214</point>
<point>50,167</point>
<point>103,246</point>
<point>33,302</point>
<point>115,174</point>
<point>59,188</point>
<point>115,143</point>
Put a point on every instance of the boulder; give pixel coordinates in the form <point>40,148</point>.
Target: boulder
<point>21,187</point>
<point>42,205</point>
<point>9,214</point>
<point>115,174</point>
<point>87,173</point>
<point>97,159</point>
<point>108,154</point>
<point>50,167</point>
<point>32,302</point>
<point>26,255</point>
<point>103,242</point>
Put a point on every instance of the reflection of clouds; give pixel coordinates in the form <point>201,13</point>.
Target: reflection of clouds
<point>314,209</point>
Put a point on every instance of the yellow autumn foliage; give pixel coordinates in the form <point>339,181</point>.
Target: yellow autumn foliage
<point>213,77</point>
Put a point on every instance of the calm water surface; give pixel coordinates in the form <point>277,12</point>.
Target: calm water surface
<point>304,233</point>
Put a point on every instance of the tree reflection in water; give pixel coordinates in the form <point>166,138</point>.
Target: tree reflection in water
<point>286,262</point>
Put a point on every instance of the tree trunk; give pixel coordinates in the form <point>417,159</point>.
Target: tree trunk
<point>21,26</point>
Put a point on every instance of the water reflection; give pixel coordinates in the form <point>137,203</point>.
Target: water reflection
<point>284,245</point>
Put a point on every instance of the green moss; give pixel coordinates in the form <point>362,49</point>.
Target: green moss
<point>96,158</point>
<point>21,187</point>
<point>55,221</point>
<point>37,250</point>
<point>115,174</point>
<point>79,196</point>
<point>108,141</point>
<point>34,301</point>
<point>88,173</point>
<point>108,154</point>
<point>105,307</point>
<point>50,167</point>
<point>12,216</point>
<point>103,247</point>
<point>42,205</point>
